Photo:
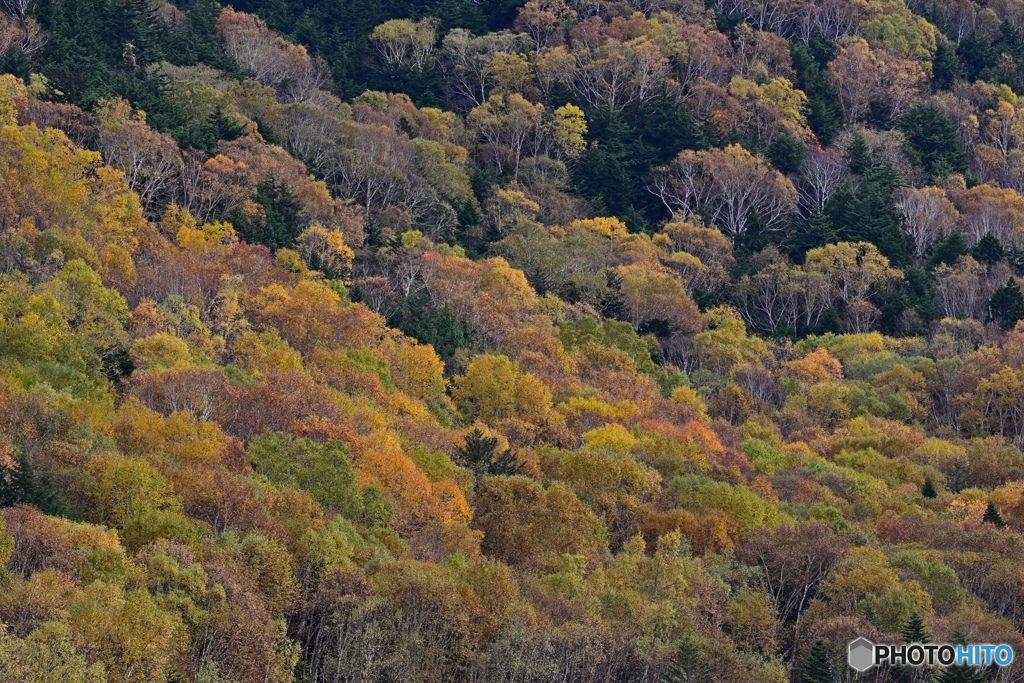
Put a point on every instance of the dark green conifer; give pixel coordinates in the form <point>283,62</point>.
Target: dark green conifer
<point>816,667</point>
<point>858,155</point>
<point>1007,304</point>
<point>932,141</point>
<point>961,674</point>
<point>689,666</point>
<point>989,249</point>
<point>915,631</point>
<point>481,456</point>
<point>787,153</point>
<point>992,516</point>
<point>20,484</point>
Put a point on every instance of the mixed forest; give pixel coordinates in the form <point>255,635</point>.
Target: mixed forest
<point>566,341</point>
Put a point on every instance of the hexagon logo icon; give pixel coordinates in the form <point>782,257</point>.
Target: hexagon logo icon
<point>861,654</point>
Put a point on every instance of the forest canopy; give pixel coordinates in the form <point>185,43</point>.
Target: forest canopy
<point>643,341</point>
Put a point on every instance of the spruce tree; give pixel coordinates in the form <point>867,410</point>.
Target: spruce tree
<point>989,249</point>
<point>480,455</point>
<point>825,111</point>
<point>945,65</point>
<point>787,153</point>
<point>915,631</point>
<point>961,674</point>
<point>816,667</point>
<point>1007,304</point>
<point>932,141</point>
<point>992,516</point>
<point>858,155</point>
<point>689,665</point>
<point>20,484</point>
<point>977,55</point>
<point>928,490</point>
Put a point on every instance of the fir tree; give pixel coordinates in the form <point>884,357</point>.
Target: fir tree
<point>932,141</point>
<point>816,667</point>
<point>858,155</point>
<point>992,516</point>
<point>948,250</point>
<point>915,631</point>
<point>825,111</point>
<point>19,484</point>
<point>439,327</point>
<point>989,249</point>
<point>945,66</point>
<point>689,666</point>
<point>961,674</point>
<point>928,490</point>
<point>787,153</point>
<point>1007,304</point>
<point>865,211</point>
<point>480,455</point>
<point>977,55</point>
<point>279,224</point>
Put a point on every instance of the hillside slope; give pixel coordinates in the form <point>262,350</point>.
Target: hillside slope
<point>484,342</point>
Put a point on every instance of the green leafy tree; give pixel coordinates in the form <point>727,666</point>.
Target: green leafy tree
<point>321,469</point>
<point>928,490</point>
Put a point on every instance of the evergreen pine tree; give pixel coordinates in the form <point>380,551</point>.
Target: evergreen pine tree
<point>989,249</point>
<point>992,516</point>
<point>787,153</point>
<point>19,484</point>
<point>948,250</point>
<point>1007,304</point>
<point>689,666</point>
<point>816,230</point>
<point>932,141</point>
<point>945,66</point>
<point>816,667</point>
<point>928,490</point>
<point>961,674</point>
<point>858,155</point>
<point>825,111</point>
<point>977,55</point>
<point>915,631</point>
<point>480,455</point>
<point>865,211</point>
<point>279,224</point>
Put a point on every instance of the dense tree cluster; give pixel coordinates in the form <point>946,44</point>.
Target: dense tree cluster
<point>584,340</point>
